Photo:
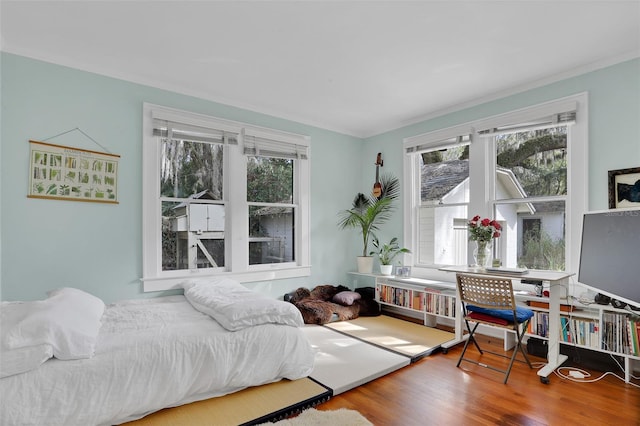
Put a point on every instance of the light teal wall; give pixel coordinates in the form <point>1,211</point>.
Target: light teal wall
<point>96,247</point>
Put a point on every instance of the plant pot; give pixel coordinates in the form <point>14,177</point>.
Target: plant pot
<point>365,264</point>
<point>386,269</point>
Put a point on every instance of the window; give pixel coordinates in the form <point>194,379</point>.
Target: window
<point>526,169</point>
<point>221,197</point>
<point>440,195</point>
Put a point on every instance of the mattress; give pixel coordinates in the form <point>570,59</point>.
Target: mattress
<point>152,354</point>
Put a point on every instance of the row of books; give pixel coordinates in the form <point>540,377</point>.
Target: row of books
<point>429,300</point>
<point>619,332</point>
<point>581,331</point>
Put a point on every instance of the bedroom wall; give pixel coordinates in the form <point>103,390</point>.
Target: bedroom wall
<point>97,247</point>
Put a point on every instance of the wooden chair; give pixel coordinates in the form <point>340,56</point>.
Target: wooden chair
<point>490,301</point>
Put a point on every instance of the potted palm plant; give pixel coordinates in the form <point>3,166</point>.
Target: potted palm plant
<point>368,213</point>
<point>386,253</point>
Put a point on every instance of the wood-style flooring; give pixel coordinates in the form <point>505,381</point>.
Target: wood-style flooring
<point>433,391</point>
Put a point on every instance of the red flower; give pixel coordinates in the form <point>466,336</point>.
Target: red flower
<point>483,229</point>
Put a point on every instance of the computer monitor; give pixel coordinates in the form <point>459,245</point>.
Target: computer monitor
<point>610,254</point>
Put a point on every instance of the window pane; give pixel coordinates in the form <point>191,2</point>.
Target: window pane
<point>532,163</point>
<point>444,176</point>
<point>190,168</point>
<point>533,235</point>
<point>442,235</point>
<point>270,235</point>
<point>269,180</point>
<point>192,235</point>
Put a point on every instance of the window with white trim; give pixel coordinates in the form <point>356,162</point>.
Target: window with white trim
<point>222,198</point>
<point>439,176</point>
<point>526,169</point>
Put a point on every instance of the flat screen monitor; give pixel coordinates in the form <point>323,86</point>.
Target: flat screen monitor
<point>610,254</point>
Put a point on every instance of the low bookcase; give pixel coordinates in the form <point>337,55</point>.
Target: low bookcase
<point>601,328</point>
<point>430,299</point>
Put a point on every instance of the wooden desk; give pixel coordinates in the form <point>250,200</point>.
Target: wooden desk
<point>557,280</point>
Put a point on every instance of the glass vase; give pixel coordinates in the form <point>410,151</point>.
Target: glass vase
<point>482,254</point>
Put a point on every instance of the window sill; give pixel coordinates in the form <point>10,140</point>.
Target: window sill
<point>172,283</point>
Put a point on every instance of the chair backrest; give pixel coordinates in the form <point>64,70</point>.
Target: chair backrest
<point>486,292</point>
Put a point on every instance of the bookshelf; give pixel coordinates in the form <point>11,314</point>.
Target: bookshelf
<point>594,327</point>
<point>601,328</point>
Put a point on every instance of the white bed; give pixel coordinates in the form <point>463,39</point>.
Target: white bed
<point>151,354</point>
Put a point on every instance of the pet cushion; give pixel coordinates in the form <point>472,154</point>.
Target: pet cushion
<point>346,298</point>
<point>522,313</point>
<point>69,321</point>
<point>236,307</point>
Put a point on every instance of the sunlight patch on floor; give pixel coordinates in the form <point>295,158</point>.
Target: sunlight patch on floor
<point>388,340</point>
<point>346,326</point>
<point>344,343</point>
<point>416,349</point>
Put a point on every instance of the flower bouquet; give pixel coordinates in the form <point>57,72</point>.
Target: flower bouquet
<point>483,231</point>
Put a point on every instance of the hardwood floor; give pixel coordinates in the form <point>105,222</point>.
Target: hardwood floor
<point>433,391</point>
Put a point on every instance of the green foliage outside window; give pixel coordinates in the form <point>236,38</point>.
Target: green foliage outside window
<point>540,251</point>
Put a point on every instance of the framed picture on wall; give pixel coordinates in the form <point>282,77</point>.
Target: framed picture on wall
<point>624,188</point>
<point>66,173</point>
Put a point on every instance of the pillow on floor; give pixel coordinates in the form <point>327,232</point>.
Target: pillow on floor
<point>346,298</point>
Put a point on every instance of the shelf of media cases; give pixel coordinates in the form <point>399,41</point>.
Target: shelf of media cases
<point>429,299</point>
<point>591,326</point>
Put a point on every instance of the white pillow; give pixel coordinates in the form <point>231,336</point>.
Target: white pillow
<point>16,361</point>
<point>69,321</point>
<point>236,307</point>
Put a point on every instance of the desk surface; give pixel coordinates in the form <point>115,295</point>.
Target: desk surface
<point>533,274</point>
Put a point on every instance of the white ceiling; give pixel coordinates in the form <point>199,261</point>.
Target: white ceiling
<point>356,67</point>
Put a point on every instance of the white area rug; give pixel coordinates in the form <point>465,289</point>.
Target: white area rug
<point>343,362</point>
<point>313,417</point>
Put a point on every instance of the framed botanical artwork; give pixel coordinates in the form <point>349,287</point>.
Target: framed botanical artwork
<point>65,173</point>
<point>624,188</point>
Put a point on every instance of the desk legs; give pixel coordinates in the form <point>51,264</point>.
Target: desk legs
<point>554,358</point>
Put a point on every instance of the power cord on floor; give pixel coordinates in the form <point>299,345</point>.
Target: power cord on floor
<point>581,376</point>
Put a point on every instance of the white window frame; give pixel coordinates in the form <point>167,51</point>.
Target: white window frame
<point>441,138</point>
<point>237,226</point>
<point>482,168</point>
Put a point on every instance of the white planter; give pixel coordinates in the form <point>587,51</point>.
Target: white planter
<point>386,269</point>
<point>365,264</point>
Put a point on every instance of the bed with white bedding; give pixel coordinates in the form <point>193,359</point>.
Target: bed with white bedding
<point>155,353</point>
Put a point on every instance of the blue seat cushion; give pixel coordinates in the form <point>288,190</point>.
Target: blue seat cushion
<point>522,313</point>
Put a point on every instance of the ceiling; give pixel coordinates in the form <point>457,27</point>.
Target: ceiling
<point>356,67</point>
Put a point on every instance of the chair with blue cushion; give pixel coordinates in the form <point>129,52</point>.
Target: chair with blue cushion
<point>490,301</point>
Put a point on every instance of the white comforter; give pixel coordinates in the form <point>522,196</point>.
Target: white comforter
<point>153,354</point>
